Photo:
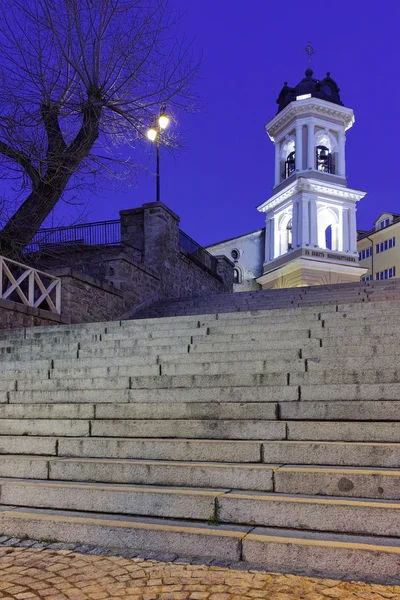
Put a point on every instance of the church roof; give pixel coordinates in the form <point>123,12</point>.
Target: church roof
<point>327,89</point>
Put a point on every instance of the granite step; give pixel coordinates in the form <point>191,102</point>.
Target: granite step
<point>311,513</point>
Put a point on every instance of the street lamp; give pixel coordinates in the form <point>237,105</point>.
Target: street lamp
<point>154,135</point>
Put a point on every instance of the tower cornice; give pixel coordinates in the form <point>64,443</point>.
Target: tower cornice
<point>311,186</point>
<point>303,108</point>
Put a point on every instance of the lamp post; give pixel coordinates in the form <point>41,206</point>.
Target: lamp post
<point>154,135</point>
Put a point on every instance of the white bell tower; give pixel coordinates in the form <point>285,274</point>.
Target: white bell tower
<point>311,233</point>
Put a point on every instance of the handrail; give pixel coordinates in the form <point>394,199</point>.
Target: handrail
<point>197,253</point>
<point>26,285</point>
<point>101,233</point>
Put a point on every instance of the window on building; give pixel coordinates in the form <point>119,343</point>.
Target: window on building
<point>324,159</point>
<point>367,278</point>
<point>386,245</point>
<point>237,275</point>
<point>387,273</point>
<point>384,223</point>
<point>235,254</point>
<point>365,253</point>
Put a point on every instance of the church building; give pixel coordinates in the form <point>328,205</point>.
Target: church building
<point>310,234</point>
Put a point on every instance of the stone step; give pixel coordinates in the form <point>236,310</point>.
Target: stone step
<point>336,392</point>
<point>29,445</point>
<point>49,411</point>
<point>324,480</point>
<point>191,428</point>
<point>114,531</point>
<point>324,554</point>
<point>190,410</point>
<point>66,396</point>
<point>229,378</point>
<point>348,376</point>
<point>95,383</point>
<point>43,427</point>
<point>159,449</point>
<point>350,329</point>
<point>190,367</point>
<point>333,349</point>
<point>270,510</point>
<point>268,393</point>
<point>342,363</point>
<point>351,454</point>
<point>255,336</point>
<point>343,431</point>
<point>334,411</point>
<point>243,476</point>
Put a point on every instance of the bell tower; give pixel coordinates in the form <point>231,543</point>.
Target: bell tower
<point>311,233</point>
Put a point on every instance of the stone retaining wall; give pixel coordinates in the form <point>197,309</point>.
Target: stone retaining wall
<point>14,315</point>
<point>103,283</point>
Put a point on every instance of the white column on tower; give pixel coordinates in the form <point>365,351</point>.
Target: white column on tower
<point>299,146</point>
<point>277,163</point>
<point>313,222</point>
<point>353,230</point>
<point>269,238</point>
<point>346,237</point>
<point>305,220</point>
<point>342,154</point>
<point>310,147</point>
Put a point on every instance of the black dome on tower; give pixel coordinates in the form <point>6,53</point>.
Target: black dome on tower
<point>327,89</point>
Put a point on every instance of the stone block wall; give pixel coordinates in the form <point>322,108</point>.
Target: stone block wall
<point>85,299</point>
<point>14,315</point>
<point>103,283</point>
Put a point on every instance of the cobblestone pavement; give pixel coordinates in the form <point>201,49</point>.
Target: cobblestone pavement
<point>27,573</point>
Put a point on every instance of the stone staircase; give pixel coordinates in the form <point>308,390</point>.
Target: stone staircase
<point>268,438</point>
<point>270,299</point>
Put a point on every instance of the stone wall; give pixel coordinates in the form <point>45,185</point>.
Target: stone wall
<point>85,299</point>
<point>103,283</point>
<point>14,315</point>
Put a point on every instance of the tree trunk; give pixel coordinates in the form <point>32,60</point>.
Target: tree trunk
<point>27,220</point>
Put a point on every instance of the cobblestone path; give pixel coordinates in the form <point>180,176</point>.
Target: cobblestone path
<point>65,575</point>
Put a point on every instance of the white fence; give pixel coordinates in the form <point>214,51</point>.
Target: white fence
<point>20,283</point>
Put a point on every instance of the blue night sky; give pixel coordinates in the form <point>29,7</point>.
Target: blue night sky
<point>249,49</point>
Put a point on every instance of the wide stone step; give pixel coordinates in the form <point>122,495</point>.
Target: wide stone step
<point>189,410</point>
<point>43,427</point>
<point>357,363</point>
<point>336,391</point>
<point>209,429</point>
<point>347,376</point>
<point>179,449</point>
<point>145,472</point>
<point>324,554</point>
<point>114,531</point>
<point>343,431</point>
<point>347,411</point>
<point>267,393</point>
<point>281,549</point>
<point>364,348</point>
<point>48,411</point>
<point>351,454</point>
<point>338,481</point>
<point>269,510</point>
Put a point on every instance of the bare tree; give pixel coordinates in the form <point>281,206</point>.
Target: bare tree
<point>77,79</point>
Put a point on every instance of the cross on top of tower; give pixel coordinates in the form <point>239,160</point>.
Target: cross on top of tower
<point>310,51</point>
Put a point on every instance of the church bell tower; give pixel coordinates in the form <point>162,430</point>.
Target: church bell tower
<point>311,233</point>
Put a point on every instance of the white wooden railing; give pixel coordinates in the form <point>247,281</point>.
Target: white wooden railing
<point>31,287</point>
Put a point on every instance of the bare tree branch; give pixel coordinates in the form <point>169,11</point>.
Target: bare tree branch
<point>78,78</point>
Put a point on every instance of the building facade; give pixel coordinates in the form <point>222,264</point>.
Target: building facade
<point>379,248</point>
<point>310,234</point>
